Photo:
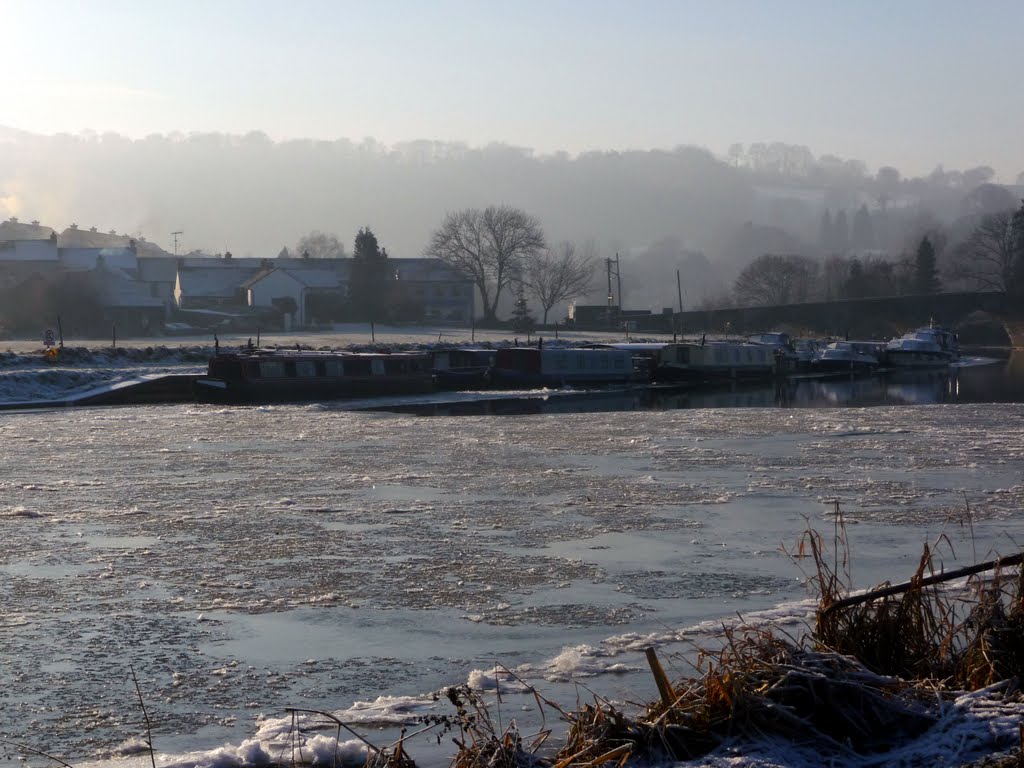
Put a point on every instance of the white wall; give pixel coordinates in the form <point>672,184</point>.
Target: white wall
<point>276,285</point>
<point>29,250</point>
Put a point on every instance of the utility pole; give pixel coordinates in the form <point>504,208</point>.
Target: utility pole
<point>175,235</point>
<point>610,267</point>
<point>618,281</point>
<point>679,289</point>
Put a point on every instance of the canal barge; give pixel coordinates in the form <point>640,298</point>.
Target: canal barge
<point>516,367</point>
<point>712,361</point>
<point>463,367</point>
<point>276,375</point>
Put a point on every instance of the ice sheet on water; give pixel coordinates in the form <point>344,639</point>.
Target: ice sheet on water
<point>557,532</point>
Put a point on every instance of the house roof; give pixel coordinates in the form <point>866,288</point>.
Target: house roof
<point>308,278</point>
<point>90,258</point>
<point>158,269</point>
<point>214,281</point>
<point>212,277</point>
<point>87,238</point>
<point>119,289</point>
<point>426,270</point>
<point>17,230</point>
<point>322,278</point>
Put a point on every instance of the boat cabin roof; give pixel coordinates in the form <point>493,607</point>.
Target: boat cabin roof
<point>291,354</point>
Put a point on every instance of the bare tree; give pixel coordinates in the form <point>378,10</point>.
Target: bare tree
<point>559,273</point>
<point>986,258</point>
<point>490,246</point>
<point>773,279</point>
<point>320,245</point>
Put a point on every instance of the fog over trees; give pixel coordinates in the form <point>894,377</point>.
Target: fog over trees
<point>660,210</point>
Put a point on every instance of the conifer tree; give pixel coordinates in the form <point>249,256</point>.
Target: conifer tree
<point>522,320</point>
<point>926,275</point>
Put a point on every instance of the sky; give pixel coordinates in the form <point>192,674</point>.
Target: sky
<point>912,84</point>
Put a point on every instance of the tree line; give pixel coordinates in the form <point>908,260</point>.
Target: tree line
<point>990,257</point>
<point>499,248</point>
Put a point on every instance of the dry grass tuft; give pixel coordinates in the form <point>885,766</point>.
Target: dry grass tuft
<point>481,742</point>
<point>954,640</point>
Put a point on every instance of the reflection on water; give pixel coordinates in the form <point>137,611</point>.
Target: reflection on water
<point>997,382</point>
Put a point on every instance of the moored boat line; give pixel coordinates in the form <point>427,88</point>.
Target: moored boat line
<point>251,374</point>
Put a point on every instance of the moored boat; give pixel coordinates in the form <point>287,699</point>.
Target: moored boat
<point>553,367</point>
<point>463,368</point>
<point>929,347</point>
<point>787,360</point>
<point>844,357</point>
<point>717,360</point>
<point>274,375</point>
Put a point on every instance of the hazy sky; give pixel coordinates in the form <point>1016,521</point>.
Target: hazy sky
<point>910,83</point>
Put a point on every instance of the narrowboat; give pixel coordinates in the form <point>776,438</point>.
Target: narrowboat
<point>646,355</point>
<point>716,361</point>
<point>463,368</point>
<point>275,375</point>
<point>787,359</point>
<point>516,367</point>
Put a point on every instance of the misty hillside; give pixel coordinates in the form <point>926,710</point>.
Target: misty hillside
<point>660,210</point>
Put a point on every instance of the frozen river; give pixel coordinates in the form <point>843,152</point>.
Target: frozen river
<point>244,560</point>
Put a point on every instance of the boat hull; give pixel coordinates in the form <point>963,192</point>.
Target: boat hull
<point>212,390</point>
<point>898,358</point>
<point>842,366</point>
<point>513,379</point>
<point>682,373</point>
<point>477,377</point>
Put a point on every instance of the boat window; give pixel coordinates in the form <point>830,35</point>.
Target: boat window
<point>620,362</point>
<point>305,368</point>
<point>225,369</point>
<point>605,361</point>
<point>357,366</point>
<point>334,368</point>
<point>272,369</point>
<point>377,366</point>
<point>393,366</point>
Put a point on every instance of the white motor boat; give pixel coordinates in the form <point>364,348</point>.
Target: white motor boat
<point>929,347</point>
<point>843,357</point>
